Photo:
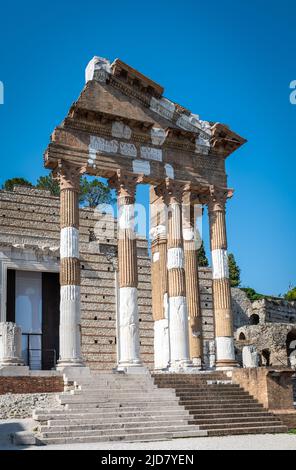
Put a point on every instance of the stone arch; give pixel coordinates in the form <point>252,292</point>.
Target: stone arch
<point>291,347</point>
<point>254,319</point>
<point>265,357</point>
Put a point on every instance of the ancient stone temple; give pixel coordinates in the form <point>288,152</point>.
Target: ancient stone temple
<point>124,129</point>
<point>132,329</point>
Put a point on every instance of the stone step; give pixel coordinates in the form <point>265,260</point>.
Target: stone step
<point>115,381</point>
<point>203,381</point>
<point>110,401</point>
<point>121,393</point>
<point>127,379</point>
<point>207,414</point>
<point>186,378</point>
<point>236,419</point>
<point>248,430</point>
<point>148,437</point>
<point>212,394</point>
<point>109,432</point>
<point>66,420</point>
<point>239,425</point>
<point>89,426</point>
<point>121,405</point>
<point>237,401</point>
<point>227,406</point>
<point>43,415</point>
<point>201,388</point>
<point>99,387</point>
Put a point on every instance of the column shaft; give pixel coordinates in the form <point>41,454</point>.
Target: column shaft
<point>159,281</point>
<point>178,313</point>
<point>192,284</point>
<point>225,356</point>
<point>129,342</point>
<point>70,348</point>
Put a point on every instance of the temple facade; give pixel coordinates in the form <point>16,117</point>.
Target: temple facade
<point>122,128</point>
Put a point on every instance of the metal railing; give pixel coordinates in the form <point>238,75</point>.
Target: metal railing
<point>38,358</point>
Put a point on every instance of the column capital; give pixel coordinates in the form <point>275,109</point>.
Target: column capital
<point>170,191</point>
<point>68,175</point>
<point>216,198</point>
<point>125,185</point>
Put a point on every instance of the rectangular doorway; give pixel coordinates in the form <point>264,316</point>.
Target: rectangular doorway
<point>33,303</point>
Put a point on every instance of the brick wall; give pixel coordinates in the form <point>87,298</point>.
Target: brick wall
<point>31,384</point>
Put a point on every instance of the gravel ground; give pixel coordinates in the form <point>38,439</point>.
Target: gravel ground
<point>249,442</point>
<point>21,405</point>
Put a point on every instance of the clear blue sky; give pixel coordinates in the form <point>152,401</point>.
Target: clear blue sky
<point>229,61</point>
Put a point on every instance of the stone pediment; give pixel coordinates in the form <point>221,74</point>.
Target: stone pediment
<point>121,120</point>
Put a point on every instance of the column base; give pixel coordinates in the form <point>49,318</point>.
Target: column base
<point>70,363</point>
<point>181,366</point>
<point>11,362</point>
<point>197,363</point>
<point>132,369</point>
<point>226,364</point>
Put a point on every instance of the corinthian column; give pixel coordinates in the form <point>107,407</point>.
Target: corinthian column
<point>225,356</point>
<point>192,277</point>
<point>178,314</point>
<point>129,343</point>
<point>159,280</point>
<point>70,350</point>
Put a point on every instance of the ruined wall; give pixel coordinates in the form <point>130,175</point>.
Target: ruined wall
<point>275,310</point>
<point>30,235</point>
<point>269,336</point>
<point>241,307</point>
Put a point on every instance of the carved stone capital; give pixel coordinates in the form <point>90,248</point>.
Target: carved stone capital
<point>170,191</point>
<point>125,185</point>
<point>216,198</point>
<point>68,175</point>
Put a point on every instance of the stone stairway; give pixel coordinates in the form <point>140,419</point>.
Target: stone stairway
<point>219,406</point>
<point>113,407</point>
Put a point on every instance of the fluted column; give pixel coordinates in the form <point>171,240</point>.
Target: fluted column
<point>159,280</point>
<point>70,348</point>
<point>178,313</point>
<point>192,278</point>
<point>225,355</point>
<point>129,343</point>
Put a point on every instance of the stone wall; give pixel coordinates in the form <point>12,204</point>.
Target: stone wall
<point>267,337</point>
<point>276,319</point>
<point>268,310</point>
<point>272,388</point>
<point>23,384</point>
<point>30,235</point>
<point>241,307</point>
<point>275,311</point>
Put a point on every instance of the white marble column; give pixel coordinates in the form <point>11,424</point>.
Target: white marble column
<point>129,342</point>
<point>178,312</point>
<point>159,281</point>
<point>190,204</point>
<point>225,355</point>
<point>70,349</point>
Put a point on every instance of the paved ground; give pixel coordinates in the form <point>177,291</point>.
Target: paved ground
<point>250,442</point>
